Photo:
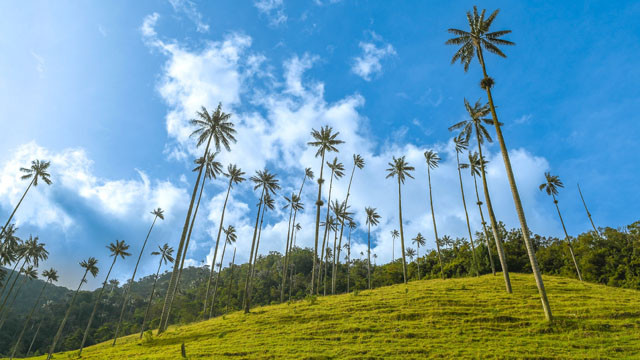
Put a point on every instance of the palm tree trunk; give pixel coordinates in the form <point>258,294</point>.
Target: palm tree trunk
<point>587,210</point>
<point>13,271</point>
<point>516,199</point>
<point>247,302</point>
<point>349,262</point>
<point>418,260</point>
<point>466,214</point>
<point>318,205</point>
<point>215,287</point>
<point>95,306</point>
<point>484,227</point>
<point>435,228</point>
<point>289,245</point>
<point>233,260</point>
<point>18,205</point>
<point>333,267</point>
<point>336,258</point>
<point>153,290</point>
<point>215,251</point>
<point>255,255</point>
<point>164,318</point>
<point>56,338</point>
<point>404,260</point>
<point>573,257</point>
<point>26,322</point>
<point>35,336</point>
<point>326,228</point>
<point>293,267</point>
<point>5,314</point>
<point>11,288</point>
<point>133,278</point>
<point>369,256</point>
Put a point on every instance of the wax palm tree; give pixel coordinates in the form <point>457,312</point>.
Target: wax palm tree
<point>37,171</point>
<point>325,141</point>
<point>467,127</point>
<point>51,276</point>
<point>475,167</point>
<point>90,267</point>
<point>433,160</point>
<point>293,203</point>
<point>119,249</point>
<point>550,186</point>
<point>298,228</point>
<point>326,224</point>
<point>419,241</point>
<point>214,127</point>
<point>373,219</point>
<point>352,226</point>
<point>230,238</point>
<point>343,215</point>
<point>471,44</point>
<point>233,260</point>
<point>394,235</point>
<point>268,203</point>
<point>11,251</point>
<point>166,255</point>
<point>333,227</point>
<point>462,145</point>
<point>411,253</point>
<point>308,175</point>
<point>29,273</point>
<point>400,169</point>
<point>235,176</point>
<point>337,172</point>
<point>268,184</point>
<point>587,210</point>
<point>157,214</point>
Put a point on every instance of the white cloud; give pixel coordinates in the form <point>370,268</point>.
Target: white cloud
<point>273,10</point>
<point>189,9</point>
<point>148,25</point>
<point>368,64</point>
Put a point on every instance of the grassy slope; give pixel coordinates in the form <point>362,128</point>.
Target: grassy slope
<point>461,318</point>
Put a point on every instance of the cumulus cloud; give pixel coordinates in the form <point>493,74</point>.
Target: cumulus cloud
<point>368,63</point>
<point>273,10</point>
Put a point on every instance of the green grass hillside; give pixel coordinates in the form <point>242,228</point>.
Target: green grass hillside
<point>454,318</point>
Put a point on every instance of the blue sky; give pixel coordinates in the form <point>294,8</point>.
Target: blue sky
<point>104,90</point>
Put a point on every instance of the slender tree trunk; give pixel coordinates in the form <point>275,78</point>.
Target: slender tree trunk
<point>518,204</point>
<point>336,258</point>
<point>215,251</point>
<point>133,278</point>
<point>349,262</point>
<point>290,235</point>
<point>215,287</point>
<point>5,314</point>
<point>26,322</point>
<point>233,260</point>
<point>587,210</point>
<point>484,227</point>
<point>247,294</point>
<point>333,267</point>
<point>393,249</point>
<point>56,338</point>
<point>418,260</point>
<point>12,285</point>
<point>318,205</point>
<point>293,266</point>
<point>164,318</point>
<point>404,260</point>
<point>17,206</point>
<point>435,228</point>
<point>153,291</point>
<point>95,306</point>
<point>326,228</point>
<point>13,271</point>
<point>573,256</point>
<point>35,336</point>
<point>255,255</point>
<point>466,214</point>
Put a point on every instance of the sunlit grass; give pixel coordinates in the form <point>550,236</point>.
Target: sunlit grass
<point>454,318</point>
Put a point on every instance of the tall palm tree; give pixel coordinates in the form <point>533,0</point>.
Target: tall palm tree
<point>587,210</point>
<point>89,266</point>
<point>325,141</point>
<point>330,223</point>
<point>268,203</point>
<point>293,203</point>
<point>268,184</point>
<point>352,226</point>
<point>551,185</point>
<point>230,238</point>
<point>295,235</point>
<point>119,249</point>
<point>394,235</point>
<point>462,145</point>
<point>400,169</point>
<point>475,167</point>
<point>214,127</point>
<point>233,260</point>
<point>308,174</point>
<point>157,214</point>
<point>38,170</point>
<point>419,241</point>
<point>29,273</point>
<point>373,218</point>
<point>472,42</point>
<point>235,176</point>
<point>433,159</point>
<point>343,215</point>
<point>166,255</point>
<point>477,114</point>
<point>50,275</point>
<point>337,171</point>
<point>12,250</point>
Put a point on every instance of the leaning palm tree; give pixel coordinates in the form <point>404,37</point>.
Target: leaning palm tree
<point>38,170</point>
<point>230,238</point>
<point>419,241</point>
<point>235,175</point>
<point>29,273</point>
<point>433,159</point>
<point>268,184</point>
<point>337,172</point>
<point>157,214</point>
<point>467,127</point>
<point>119,249</point>
<point>472,44</point>
<point>587,210</point>
<point>551,185</point>
<point>214,127</point>
<point>373,218</point>
<point>394,235</point>
<point>89,266</point>
<point>165,251</point>
<point>462,145</point>
<point>400,169</point>
<point>325,141</point>
<point>50,275</point>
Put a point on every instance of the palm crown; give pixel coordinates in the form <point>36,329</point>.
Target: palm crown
<point>34,251</point>
<point>372,216</point>
<point>552,184</point>
<point>265,180</point>
<point>358,161</point>
<point>159,213</point>
<point>432,158</point>
<point>461,143</point>
<point>230,233</point>
<point>215,126</point>
<point>475,166</point>
<point>212,168</point>
<point>51,275</point>
<point>336,167</point>
<point>308,173</point>
<point>477,37</point>
<point>119,249</point>
<point>419,240</point>
<point>38,170</point>
<point>395,234</point>
<point>399,168</point>
<point>269,202</point>
<point>325,140</point>
<point>30,272</point>
<point>477,112</point>
<point>166,252</point>
<point>234,173</point>
<point>90,265</point>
